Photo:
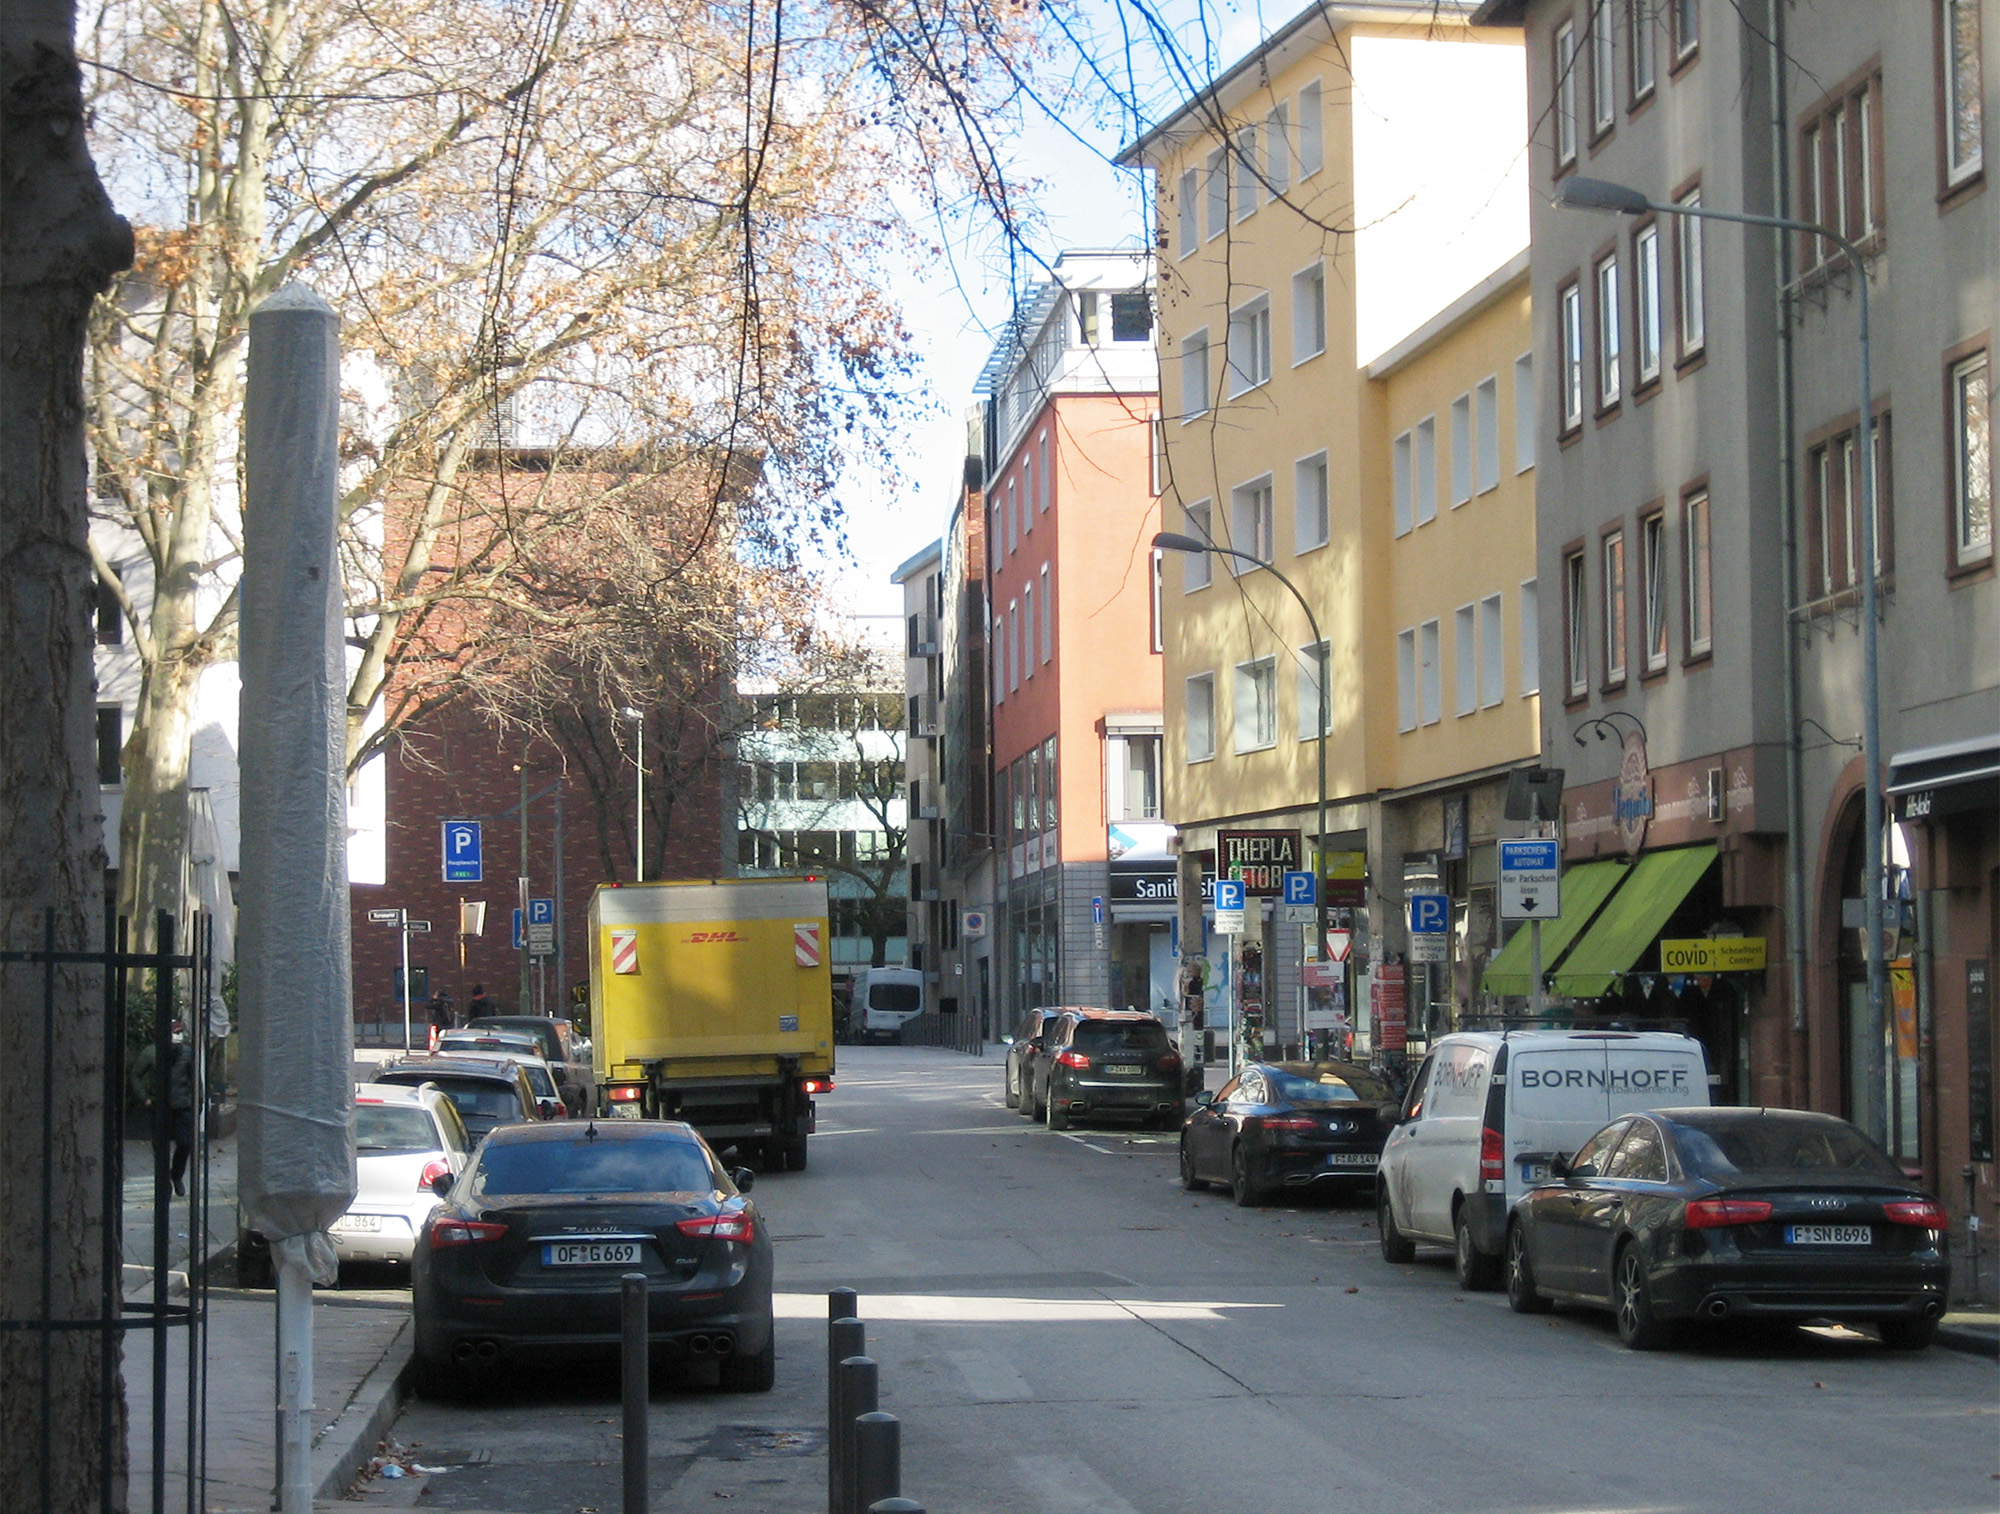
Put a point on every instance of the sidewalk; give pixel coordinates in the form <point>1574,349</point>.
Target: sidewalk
<point>1973,1330</point>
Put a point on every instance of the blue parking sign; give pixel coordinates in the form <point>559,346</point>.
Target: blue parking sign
<point>1430,914</point>
<point>541,911</point>
<point>462,862</point>
<point>1301,888</point>
<point>1229,893</point>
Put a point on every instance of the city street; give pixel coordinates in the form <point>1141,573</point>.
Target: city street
<point>1061,1328</point>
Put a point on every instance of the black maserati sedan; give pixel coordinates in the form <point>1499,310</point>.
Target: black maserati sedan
<point>1732,1214</point>
<point>1290,1125</point>
<point>521,1263</point>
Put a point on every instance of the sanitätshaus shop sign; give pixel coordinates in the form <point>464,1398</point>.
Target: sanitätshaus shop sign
<point>1150,882</point>
<point>1260,859</point>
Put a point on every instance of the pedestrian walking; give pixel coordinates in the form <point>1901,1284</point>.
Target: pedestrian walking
<point>481,1003</point>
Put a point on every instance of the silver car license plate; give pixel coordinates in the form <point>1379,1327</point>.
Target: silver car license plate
<point>590,1253</point>
<point>358,1224</point>
<point>1829,1235</point>
<point>1353,1159</point>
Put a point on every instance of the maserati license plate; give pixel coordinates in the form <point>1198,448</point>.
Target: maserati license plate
<point>1353,1159</point>
<point>1830,1235</point>
<point>590,1254</point>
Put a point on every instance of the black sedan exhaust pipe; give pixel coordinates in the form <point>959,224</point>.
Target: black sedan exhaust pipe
<point>1716,1308</point>
<point>476,1353</point>
<point>1934,1310</point>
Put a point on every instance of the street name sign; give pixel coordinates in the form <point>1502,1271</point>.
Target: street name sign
<point>1530,878</point>
<point>386,916</point>
<point>462,853</point>
<point>417,927</point>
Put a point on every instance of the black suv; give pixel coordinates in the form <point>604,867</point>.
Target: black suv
<point>1108,1062</point>
<point>1023,1047</point>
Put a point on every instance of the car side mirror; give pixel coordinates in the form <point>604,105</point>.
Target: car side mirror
<point>441,1184</point>
<point>1006,1040</point>
<point>1205,1098</point>
<point>743,1178</point>
<point>1389,1114</point>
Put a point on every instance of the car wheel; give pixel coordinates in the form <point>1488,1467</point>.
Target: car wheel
<point>1522,1296</point>
<point>1477,1272</point>
<point>1013,1092</point>
<point>1058,1113</point>
<point>1031,1106</point>
<point>1243,1185</point>
<point>1396,1247</point>
<point>1189,1181</point>
<point>751,1374</point>
<point>1633,1299</point>
<point>1906,1334</point>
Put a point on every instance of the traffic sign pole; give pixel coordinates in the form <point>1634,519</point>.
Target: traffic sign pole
<point>403,934</point>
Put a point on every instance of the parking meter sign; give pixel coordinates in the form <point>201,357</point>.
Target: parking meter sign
<point>1530,878</point>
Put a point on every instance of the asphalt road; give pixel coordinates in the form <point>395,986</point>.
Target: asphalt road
<point>1064,1331</point>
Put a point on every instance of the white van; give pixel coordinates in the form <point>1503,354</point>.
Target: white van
<point>885,1000</point>
<point>1487,1111</point>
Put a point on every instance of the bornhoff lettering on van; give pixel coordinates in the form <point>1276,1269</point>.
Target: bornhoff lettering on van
<point>1674,1079</point>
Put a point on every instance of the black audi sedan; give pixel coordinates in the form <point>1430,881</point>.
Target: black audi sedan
<point>1288,1125</point>
<point>521,1262</point>
<point>1732,1214</point>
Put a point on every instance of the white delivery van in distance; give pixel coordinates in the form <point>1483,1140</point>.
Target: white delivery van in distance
<point>1488,1110</point>
<point>885,1000</point>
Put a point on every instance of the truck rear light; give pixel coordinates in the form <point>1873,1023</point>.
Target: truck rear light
<point>1925,1214</point>
<point>1492,1160</point>
<point>1712,1214</point>
<point>433,1170</point>
<point>1171,1062</point>
<point>624,1093</point>
<point>817,1085</point>
<point>1074,1059</point>
<point>446,1233</point>
<point>730,1225</point>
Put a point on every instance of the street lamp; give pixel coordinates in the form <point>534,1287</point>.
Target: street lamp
<point>1173,541</point>
<point>638,723</point>
<point>1599,194</point>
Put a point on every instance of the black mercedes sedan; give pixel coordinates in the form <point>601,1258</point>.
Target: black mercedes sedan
<point>521,1262</point>
<point>1288,1125</point>
<point>1732,1214</point>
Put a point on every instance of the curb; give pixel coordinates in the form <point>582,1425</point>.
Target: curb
<point>342,1449</point>
<point>1975,1340</point>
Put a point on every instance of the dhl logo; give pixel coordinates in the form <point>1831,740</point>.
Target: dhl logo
<point>709,937</point>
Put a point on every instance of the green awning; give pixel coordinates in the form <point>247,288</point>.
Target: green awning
<point>1584,890</point>
<point>1633,920</point>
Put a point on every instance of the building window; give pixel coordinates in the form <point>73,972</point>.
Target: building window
<point>1013,521</point>
<point>1048,618</point>
<point>1198,568</point>
<point>1840,170</point>
<point>1244,172</point>
<point>1047,478</point>
<point>1645,66</point>
<point>1406,680</point>
<point>1524,412</point>
<point>1972,463</point>
<point>1087,325</point>
<point>1603,68</point>
<point>110,744</point>
<point>1027,492</point>
<point>1217,197</point>
<point>1653,590</point>
<point>1430,677</point>
<point>1401,486</point>
<point>1569,342</point>
<point>1426,498</point>
<point>1194,375</point>
<point>1565,96</point>
<point>1492,653</point>
<point>1189,207</point>
<point>1687,28</point>
<point>1277,151</point>
<point>1609,374</point>
<point>1486,425</point>
<point>1028,620</point>
<point>1313,662</point>
<point>1159,627</point>
<point>1309,503</point>
<point>1308,313</point>
<point>110,615</point>
<point>1014,645</point>
<point>1312,151</point>
<point>1687,259</point>
<point>1132,315</point>
<point>1576,628</point>
<point>1531,637</point>
<point>1646,302</point>
<point>1256,704</point>
<point>1699,586</point>
<point>1833,511</point>
<point>1156,461</point>
<point>1201,717</point>
<point>1964,127</point>
<point>1614,609</point>
<point>1139,767</point>
<point>1250,345</point>
<point>1251,527</point>
<point>1461,450</point>
<point>1465,657</point>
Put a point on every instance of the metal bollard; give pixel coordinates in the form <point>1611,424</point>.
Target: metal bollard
<point>878,1465</point>
<point>896,1506</point>
<point>857,1390</point>
<point>842,1303</point>
<point>844,1338</point>
<point>634,1385</point>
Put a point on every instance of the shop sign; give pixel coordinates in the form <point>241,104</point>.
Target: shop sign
<point>1258,860</point>
<point>1388,1008</point>
<point>1344,880</point>
<point>1632,794</point>
<point>1150,883</point>
<point>1720,954</point>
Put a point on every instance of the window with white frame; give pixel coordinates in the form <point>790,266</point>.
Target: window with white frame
<point>1406,680</point>
<point>1530,637</point>
<point>1244,172</point>
<point>1047,476</point>
<point>1430,676</point>
<point>1492,653</point>
<point>1277,151</point>
<point>1401,484</point>
<point>1250,345</point>
<point>1158,638</point>
<point>1256,704</point>
<point>1565,95</point>
<point>1013,521</point>
<point>1465,657</point>
<point>1486,427</point>
<point>1048,617</point>
<point>1251,526</point>
<point>1200,717</point>
<point>1198,568</point>
<point>1687,27</point>
<point>1027,491</point>
<point>1309,503</point>
<point>1964,127</point>
<point>1576,628</point>
<point>1215,197</point>
<point>1646,302</point>
<point>1569,341</point>
<point>1194,375</point>
<point>1461,450</point>
<point>1972,462</point>
<point>1028,620</point>
<point>1524,412</point>
<point>1644,47</point>
<point>1013,645</point>
<point>1610,374</point>
<point>1698,583</point>
<point>1687,249</point>
<point>1614,607</point>
<point>1312,150</point>
<point>1308,313</point>
<point>1156,459</point>
<point>1427,470</point>
<point>1653,591</point>
<point>1312,666</point>
<point>1188,205</point>
<point>1603,68</point>
<point>997,634</point>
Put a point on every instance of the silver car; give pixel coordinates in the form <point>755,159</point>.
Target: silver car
<point>404,1140</point>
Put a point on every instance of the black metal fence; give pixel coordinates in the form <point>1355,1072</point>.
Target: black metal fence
<point>957,1031</point>
<point>145,993</point>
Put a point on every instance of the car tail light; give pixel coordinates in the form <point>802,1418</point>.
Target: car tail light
<point>1708,1214</point>
<point>1492,1160</point>
<point>624,1093</point>
<point>1925,1214</point>
<point>433,1170</point>
<point>730,1225</point>
<point>1290,1122</point>
<point>1171,1062</point>
<point>817,1085</point>
<point>1074,1059</point>
<point>464,1233</point>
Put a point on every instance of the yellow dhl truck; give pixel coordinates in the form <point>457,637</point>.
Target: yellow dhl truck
<point>712,1002</point>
